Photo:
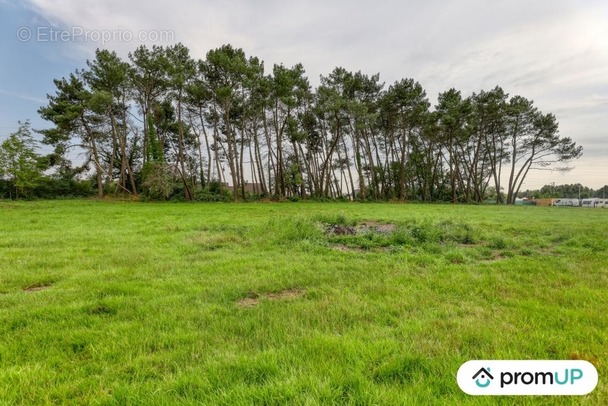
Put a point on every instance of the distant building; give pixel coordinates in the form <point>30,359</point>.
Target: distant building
<point>251,188</point>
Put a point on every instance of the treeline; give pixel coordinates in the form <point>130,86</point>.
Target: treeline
<point>24,173</point>
<point>570,191</point>
<point>162,123</point>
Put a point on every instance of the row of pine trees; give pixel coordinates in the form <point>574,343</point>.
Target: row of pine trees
<point>163,121</point>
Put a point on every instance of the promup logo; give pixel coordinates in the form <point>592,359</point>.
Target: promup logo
<point>484,376</point>
<point>500,377</point>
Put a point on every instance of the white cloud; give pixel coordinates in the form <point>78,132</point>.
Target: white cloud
<point>22,96</point>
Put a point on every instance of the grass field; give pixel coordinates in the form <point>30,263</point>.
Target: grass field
<point>131,303</point>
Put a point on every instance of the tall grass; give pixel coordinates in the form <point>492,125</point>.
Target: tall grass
<point>127,303</point>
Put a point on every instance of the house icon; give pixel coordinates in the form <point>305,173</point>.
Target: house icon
<point>483,374</point>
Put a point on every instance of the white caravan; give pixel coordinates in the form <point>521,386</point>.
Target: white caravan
<point>565,202</point>
<point>594,203</point>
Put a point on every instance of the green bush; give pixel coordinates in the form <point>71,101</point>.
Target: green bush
<point>207,196</point>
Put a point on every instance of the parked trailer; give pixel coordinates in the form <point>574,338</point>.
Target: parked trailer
<point>566,202</point>
<point>594,203</point>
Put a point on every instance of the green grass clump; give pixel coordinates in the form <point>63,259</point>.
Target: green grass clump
<point>129,303</point>
<point>410,234</point>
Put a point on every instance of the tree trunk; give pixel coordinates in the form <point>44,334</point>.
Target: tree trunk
<point>181,155</point>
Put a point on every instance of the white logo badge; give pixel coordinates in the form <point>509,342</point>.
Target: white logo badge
<point>494,377</point>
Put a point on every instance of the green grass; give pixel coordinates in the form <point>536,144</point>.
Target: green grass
<point>129,303</point>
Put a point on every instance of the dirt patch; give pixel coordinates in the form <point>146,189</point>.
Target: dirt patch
<point>285,294</point>
<point>375,227</point>
<point>575,355</point>
<point>338,229</point>
<point>363,228</point>
<point>359,250</point>
<point>254,299</point>
<point>496,257</point>
<point>346,248</point>
<point>102,310</point>
<point>37,287</point>
<point>248,302</point>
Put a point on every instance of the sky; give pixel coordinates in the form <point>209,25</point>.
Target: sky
<point>554,52</point>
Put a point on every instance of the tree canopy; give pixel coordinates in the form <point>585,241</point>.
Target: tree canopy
<point>20,165</point>
<point>162,123</point>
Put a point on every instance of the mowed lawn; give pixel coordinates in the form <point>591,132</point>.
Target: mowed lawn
<point>280,303</point>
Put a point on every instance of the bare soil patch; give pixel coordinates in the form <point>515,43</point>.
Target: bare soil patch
<point>373,226</point>
<point>285,294</point>
<point>365,227</point>
<point>496,256</point>
<point>346,248</point>
<point>248,302</point>
<point>254,298</point>
<point>338,229</point>
<point>37,287</point>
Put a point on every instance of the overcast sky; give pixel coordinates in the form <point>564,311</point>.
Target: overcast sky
<point>554,52</point>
